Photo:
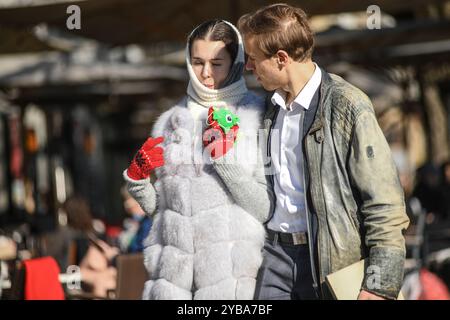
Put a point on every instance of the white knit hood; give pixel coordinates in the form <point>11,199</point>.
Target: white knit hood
<point>223,97</point>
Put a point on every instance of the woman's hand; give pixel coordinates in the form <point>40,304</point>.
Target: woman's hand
<point>146,159</point>
<point>217,143</point>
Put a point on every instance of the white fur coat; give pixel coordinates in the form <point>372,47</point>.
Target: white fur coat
<point>202,244</point>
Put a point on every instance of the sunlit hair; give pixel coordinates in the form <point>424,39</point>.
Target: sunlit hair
<point>78,213</point>
<point>217,30</point>
<point>279,27</point>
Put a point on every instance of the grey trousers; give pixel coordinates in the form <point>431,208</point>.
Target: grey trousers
<point>285,273</point>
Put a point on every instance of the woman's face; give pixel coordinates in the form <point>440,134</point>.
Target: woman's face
<point>211,62</point>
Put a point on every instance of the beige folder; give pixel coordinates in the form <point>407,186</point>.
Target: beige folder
<point>345,284</point>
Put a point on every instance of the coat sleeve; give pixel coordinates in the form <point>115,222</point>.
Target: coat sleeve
<point>374,176</point>
<point>251,191</point>
<point>143,192</point>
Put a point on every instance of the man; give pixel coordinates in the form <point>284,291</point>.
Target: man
<point>338,197</point>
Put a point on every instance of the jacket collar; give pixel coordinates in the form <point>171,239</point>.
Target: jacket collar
<point>317,114</point>
<point>314,116</point>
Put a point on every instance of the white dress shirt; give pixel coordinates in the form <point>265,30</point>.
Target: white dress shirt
<point>286,153</point>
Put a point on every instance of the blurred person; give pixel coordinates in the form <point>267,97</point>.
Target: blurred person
<point>416,213</point>
<point>407,181</point>
<point>405,171</point>
<point>338,195</point>
<point>136,228</point>
<point>429,191</point>
<point>94,256</point>
<point>80,224</point>
<point>445,190</point>
<point>80,243</point>
<point>98,274</point>
<point>212,193</point>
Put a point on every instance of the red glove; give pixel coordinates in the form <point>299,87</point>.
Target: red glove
<point>216,142</point>
<point>146,159</point>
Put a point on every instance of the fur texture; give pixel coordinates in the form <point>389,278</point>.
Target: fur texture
<point>202,244</point>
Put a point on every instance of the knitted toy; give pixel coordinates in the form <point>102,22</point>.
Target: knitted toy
<point>222,131</point>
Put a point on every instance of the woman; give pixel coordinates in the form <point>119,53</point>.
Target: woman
<point>207,234</point>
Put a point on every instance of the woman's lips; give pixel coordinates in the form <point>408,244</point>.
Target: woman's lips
<point>210,86</point>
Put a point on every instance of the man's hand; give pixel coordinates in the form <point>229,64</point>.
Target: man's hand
<point>146,159</point>
<point>365,295</point>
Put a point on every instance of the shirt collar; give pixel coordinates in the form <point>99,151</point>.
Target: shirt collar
<point>304,97</point>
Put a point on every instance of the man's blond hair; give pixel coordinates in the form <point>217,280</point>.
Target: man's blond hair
<point>279,27</point>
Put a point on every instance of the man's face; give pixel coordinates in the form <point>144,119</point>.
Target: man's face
<point>266,70</point>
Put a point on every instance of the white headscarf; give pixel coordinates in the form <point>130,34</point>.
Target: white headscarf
<point>234,86</point>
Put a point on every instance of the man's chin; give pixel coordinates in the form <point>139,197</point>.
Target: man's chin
<point>268,87</point>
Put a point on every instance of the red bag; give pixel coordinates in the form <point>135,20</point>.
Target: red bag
<point>42,280</point>
<point>433,288</point>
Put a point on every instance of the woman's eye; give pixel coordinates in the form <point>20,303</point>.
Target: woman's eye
<point>216,64</point>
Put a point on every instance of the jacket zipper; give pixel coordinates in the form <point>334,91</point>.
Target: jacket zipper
<point>308,223</point>
<point>269,154</point>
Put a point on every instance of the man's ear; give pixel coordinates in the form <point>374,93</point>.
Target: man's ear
<point>282,58</point>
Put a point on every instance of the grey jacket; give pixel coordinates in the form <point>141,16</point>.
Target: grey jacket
<point>354,198</point>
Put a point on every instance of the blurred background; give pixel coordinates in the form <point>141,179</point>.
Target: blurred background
<point>76,104</point>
